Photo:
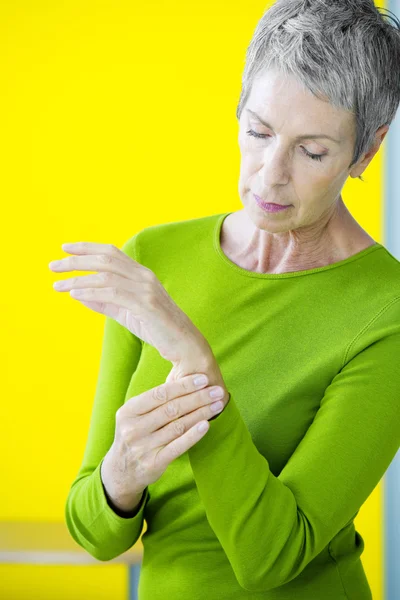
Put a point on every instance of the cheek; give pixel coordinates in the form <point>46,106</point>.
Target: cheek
<point>328,180</point>
<point>249,163</point>
<point>305,173</point>
<point>318,177</point>
<point>244,147</point>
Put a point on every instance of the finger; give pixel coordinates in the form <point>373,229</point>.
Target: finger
<point>92,248</point>
<point>173,418</point>
<point>97,262</point>
<point>180,445</point>
<point>109,310</point>
<point>115,296</point>
<point>97,280</point>
<point>163,393</point>
<point>115,302</point>
<point>178,427</point>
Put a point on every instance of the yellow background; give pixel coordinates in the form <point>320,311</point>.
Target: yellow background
<point>115,116</point>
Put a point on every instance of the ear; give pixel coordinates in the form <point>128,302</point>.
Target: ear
<point>366,158</point>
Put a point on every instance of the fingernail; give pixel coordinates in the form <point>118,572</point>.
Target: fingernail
<point>200,380</point>
<point>217,406</point>
<point>216,392</point>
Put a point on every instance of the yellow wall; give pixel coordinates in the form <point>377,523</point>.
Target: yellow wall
<point>115,116</point>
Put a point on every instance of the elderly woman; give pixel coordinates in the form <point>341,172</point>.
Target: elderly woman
<point>288,307</point>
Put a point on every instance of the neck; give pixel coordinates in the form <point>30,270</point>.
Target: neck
<point>336,236</point>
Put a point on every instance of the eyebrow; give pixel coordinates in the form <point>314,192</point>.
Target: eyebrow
<point>299,137</point>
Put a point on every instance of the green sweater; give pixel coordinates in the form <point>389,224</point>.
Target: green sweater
<point>262,507</point>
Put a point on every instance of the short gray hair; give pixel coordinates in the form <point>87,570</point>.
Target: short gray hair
<point>342,51</point>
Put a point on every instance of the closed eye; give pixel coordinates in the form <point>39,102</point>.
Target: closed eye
<point>264,135</point>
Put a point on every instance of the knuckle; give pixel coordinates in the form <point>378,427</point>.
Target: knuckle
<point>123,427</point>
<point>114,292</point>
<point>170,409</point>
<point>120,413</point>
<point>106,259</point>
<point>178,427</point>
<point>106,277</point>
<point>187,384</point>
<point>159,393</point>
<point>123,430</point>
<point>126,432</point>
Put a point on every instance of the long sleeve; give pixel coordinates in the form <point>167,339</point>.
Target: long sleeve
<point>90,519</point>
<point>271,528</point>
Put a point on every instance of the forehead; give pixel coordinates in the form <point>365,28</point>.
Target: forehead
<point>285,103</point>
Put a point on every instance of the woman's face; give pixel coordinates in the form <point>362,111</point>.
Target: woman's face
<point>278,166</point>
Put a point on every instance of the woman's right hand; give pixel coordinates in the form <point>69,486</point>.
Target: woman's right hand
<point>152,429</point>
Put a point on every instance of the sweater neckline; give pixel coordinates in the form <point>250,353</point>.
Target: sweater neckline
<point>246,273</point>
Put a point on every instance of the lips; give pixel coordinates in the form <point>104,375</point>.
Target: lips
<point>265,202</point>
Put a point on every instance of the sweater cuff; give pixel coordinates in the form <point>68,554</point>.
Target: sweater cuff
<point>106,508</point>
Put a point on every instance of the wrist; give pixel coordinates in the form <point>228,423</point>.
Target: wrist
<point>123,505</point>
<point>197,358</point>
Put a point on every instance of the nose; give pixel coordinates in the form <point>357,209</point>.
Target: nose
<point>275,167</point>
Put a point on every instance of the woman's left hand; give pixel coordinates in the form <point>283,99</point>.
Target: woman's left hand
<point>131,294</point>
